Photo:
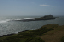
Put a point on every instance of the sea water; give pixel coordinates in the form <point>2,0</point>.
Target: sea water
<point>7,26</point>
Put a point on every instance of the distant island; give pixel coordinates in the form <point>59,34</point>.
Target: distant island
<point>47,33</point>
<point>46,17</point>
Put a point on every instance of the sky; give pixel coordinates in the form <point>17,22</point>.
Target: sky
<point>31,7</point>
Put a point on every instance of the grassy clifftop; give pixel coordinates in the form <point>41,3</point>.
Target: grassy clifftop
<point>47,33</point>
<point>56,35</point>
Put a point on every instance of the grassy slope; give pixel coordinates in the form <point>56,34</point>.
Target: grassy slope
<point>54,35</point>
<point>47,33</point>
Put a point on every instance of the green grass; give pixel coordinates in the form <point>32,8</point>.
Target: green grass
<point>20,39</point>
<point>26,36</point>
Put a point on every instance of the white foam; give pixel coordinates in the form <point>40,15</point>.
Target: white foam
<point>28,18</point>
<point>4,21</point>
<point>17,19</point>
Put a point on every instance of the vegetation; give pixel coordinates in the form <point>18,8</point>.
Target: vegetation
<point>26,36</point>
<point>62,39</point>
<point>34,35</point>
<point>53,35</point>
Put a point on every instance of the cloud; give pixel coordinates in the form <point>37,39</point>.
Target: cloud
<point>44,5</point>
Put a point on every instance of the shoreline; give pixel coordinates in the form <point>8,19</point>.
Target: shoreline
<point>45,31</point>
<point>19,32</point>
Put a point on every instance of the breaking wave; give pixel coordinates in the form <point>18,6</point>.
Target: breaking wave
<point>17,19</point>
<point>8,20</point>
<point>4,21</point>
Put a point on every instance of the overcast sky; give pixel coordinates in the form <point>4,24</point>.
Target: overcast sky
<point>31,7</point>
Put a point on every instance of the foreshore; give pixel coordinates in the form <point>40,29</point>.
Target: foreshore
<point>44,34</point>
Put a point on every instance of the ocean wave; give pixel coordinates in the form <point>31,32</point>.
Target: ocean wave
<point>4,21</point>
<point>8,20</point>
<point>17,19</point>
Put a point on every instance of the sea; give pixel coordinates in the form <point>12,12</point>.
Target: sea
<point>7,26</point>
